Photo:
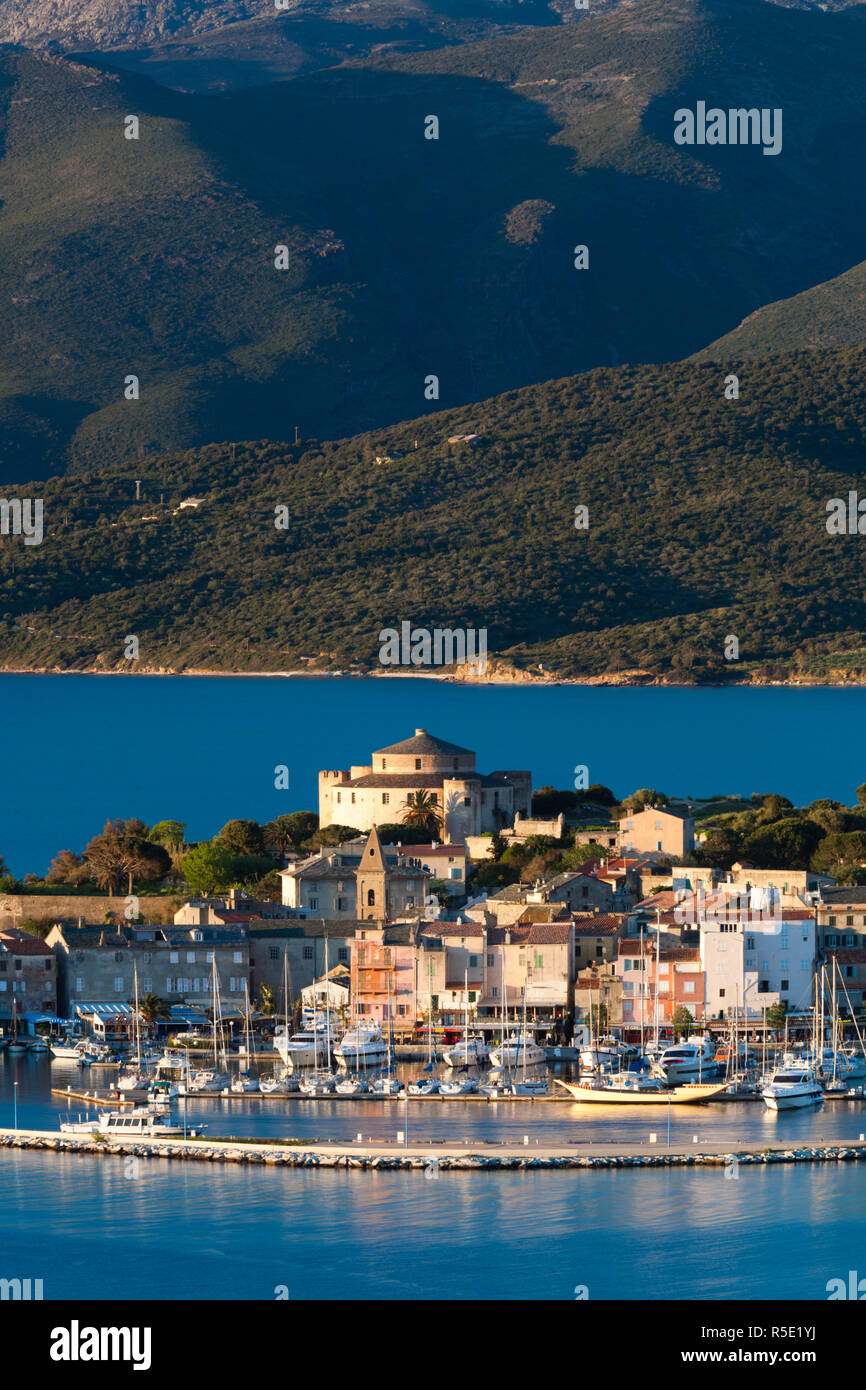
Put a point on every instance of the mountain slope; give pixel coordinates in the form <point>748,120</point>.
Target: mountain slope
<point>832,314</point>
<point>707,518</point>
<point>411,259</point>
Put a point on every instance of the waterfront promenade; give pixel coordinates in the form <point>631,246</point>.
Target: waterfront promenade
<point>469,1154</point>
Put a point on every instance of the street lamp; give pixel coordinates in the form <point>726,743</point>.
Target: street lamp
<point>15,1098</point>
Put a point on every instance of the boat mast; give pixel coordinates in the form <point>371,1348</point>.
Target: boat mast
<point>215,1056</point>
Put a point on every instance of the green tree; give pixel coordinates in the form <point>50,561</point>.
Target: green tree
<point>842,857</point>
<point>267,1004</point>
<point>152,1008</point>
<point>682,1020</point>
<point>776,1015</point>
<point>784,844</point>
<point>331,835</point>
<point>171,834</point>
<point>208,867</point>
<point>67,867</point>
<point>242,837</point>
<point>286,831</point>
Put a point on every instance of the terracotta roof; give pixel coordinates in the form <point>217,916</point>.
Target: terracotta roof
<point>452,929</point>
<point>852,956</point>
<point>21,943</point>
<point>605,924</point>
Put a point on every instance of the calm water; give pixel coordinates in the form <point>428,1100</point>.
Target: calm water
<point>78,749</point>
<point>94,1229</point>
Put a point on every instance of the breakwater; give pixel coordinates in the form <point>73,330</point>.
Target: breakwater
<point>441,1156</point>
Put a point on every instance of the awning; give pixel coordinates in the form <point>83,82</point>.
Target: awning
<point>104,1010</point>
<point>42,1018</point>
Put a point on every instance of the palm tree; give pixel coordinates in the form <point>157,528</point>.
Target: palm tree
<point>421,811</point>
<point>151,1008</point>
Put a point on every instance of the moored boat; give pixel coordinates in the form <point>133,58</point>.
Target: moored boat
<point>631,1089</point>
<point>792,1088</point>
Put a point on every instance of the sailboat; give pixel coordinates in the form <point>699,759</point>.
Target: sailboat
<point>471,1049</point>
<point>388,1085</point>
<point>495,1087</point>
<point>525,1087</point>
<point>282,1082</point>
<point>245,1083</point>
<point>134,1079</point>
<point>16,1044</point>
<point>215,1079</point>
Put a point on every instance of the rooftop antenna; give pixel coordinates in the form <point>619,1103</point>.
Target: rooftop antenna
<point>138,489</point>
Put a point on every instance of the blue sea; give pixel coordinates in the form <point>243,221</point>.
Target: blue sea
<point>80,749</point>
<point>110,1228</point>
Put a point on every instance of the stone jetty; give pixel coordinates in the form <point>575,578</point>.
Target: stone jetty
<point>471,1155</point>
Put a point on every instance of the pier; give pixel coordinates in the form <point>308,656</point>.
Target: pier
<point>468,1154</point>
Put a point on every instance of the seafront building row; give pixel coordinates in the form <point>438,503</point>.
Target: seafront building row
<point>393,932</point>
<point>736,951</point>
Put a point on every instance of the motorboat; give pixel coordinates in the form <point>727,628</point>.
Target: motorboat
<point>141,1122</point>
<point>38,1044</point>
<point>162,1093</point>
<point>494,1090</point>
<point>792,1088</point>
<point>632,1089</point>
<point>134,1082</point>
<point>363,1044</point>
<point>428,1087</point>
<point>519,1049</point>
<point>67,1049</point>
<point>352,1086</point>
<point>603,1054</point>
<point>471,1050</point>
<point>308,1047</point>
<point>689,1061</point>
<point>462,1086</point>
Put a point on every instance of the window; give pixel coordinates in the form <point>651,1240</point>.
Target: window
<point>849,940</point>
<point>658,844</point>
<point>308,953</point>
<point>313,904</point>
<point>763,986</point>
<point>805,965</point>
<point>467,801</point>
<point>386,798</point>
<point>831,921</point>
<point>849,920</point>
<point>147,983</point>
<point>190,957</point>
<point>353,798</point>
<point>832,940</point>
<point>238,957</point>
<point>341,904</point>
<point>79,984</point>
<point>494,993</point>
<point>783,963</point>
<point>343,954</point>
<point>417,764</point>
<point>688,987</point>
<point>721,994</point>
<point>783,985</point>
<point>750,943</point>
<point>339,796</point>
<point>473,961</point>
<point>48,963</point>
<point>455,873</point>
<point>146,957</point>
<point>118,984</point>
<point>401,1010</point>
<point>490,958</point>
<point>599,950</point>
<point>371,897</point>
<point>472,996</point>
<point>765,965</point>
<point>849,972</point>
<point>173,957</point>
<point>118,956</point>
<point>539,960</point>
<point>273,953</point>
<point>434,798</point>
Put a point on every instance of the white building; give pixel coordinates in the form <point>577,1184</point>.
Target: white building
<point>755,957</point>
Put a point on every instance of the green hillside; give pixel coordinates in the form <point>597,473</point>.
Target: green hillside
<point>410,258</point>
<point>707,517</point>
<point>829,315</point>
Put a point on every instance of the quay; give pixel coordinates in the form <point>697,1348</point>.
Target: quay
<point>469,1154</point>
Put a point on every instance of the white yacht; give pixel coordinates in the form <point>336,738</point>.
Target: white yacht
<point>244,1085</point>
<point>386,1086</point>
<point>352,1086</point>
<point>689,1061</point>
<point>792,1088</point>
<point>604,1054</point>
<point>362,1045</point>
<point>68,1049</point>
<point>518,1050</point>
<point>318,1083</point>
<point>428,1087</point>
<point>309,1047</point>
<point>470,1051</point>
